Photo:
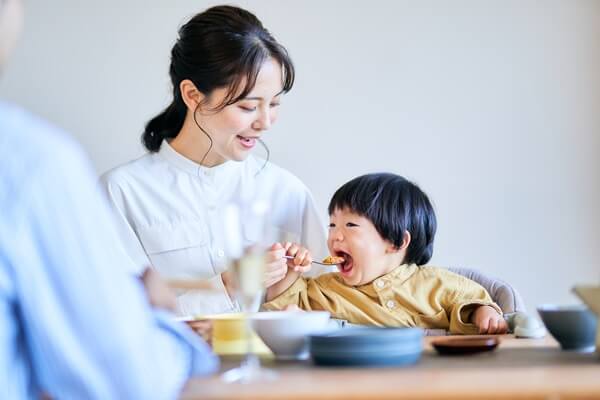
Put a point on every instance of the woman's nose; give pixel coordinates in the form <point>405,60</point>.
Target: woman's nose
<point>263,120</point>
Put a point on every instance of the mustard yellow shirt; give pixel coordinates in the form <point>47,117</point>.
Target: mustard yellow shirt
<point>409,295</point>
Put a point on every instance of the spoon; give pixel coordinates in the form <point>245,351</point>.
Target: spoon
<point>314,262</point>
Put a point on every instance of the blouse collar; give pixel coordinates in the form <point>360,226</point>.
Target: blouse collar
<point>217,172</point>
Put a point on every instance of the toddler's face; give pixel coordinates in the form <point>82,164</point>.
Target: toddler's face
<point>366,254</point>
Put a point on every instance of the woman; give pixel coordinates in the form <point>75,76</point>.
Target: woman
<point>228,75</point>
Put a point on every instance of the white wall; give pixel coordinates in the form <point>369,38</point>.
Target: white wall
<point>493,107</point>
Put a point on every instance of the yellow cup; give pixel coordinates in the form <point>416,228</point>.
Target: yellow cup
<point>229,336</point>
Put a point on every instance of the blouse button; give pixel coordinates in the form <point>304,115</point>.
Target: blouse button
<point>380,284</point>
<point>221,253</point>
<point>390,304</point>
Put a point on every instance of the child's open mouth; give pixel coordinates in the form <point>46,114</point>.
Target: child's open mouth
<point>345,267</point>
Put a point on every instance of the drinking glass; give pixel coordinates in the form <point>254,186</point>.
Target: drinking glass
<point>247,235</point>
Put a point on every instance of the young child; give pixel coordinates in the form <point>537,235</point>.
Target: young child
<point>383,226</point>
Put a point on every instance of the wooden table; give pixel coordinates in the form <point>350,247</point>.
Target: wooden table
<point>517,369</point>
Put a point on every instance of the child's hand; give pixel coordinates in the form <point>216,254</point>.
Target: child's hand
<point>488,320</point>
<point>302,258</point>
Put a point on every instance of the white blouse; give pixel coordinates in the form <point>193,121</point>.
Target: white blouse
<point>169,211</point>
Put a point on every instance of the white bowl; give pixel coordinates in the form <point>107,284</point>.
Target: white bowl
<point>285,332</point>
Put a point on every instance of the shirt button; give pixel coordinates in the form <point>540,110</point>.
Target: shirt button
<point>380,284</point>
<point>221,253</point>
<point>390,304</point>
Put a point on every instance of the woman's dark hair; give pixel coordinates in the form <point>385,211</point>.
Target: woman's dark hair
<point>394,205</point>
<point>223,46</point>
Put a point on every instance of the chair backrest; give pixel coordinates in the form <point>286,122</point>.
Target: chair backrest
<point>503,294</point>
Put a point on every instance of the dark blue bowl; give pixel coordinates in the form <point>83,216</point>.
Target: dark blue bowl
<point>367,346</point>
<point>574,327</point>
<point>366,335</point>
<point>374,359</point>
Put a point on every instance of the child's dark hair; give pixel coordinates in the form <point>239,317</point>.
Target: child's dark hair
<point>394,205</point>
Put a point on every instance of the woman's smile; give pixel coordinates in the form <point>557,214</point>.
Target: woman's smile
<point>248,142</point>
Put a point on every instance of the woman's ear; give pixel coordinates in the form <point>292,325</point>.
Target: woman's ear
<point>190,94</point>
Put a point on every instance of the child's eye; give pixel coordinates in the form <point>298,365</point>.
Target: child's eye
<point>350,224</point>
<point>332,225</point>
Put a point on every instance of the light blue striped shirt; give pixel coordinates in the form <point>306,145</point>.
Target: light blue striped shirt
<point>73,323</point>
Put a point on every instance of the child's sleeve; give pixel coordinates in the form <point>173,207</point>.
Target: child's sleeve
<point>297,294</point>
<point>466,298</point>
<point>306,293</point>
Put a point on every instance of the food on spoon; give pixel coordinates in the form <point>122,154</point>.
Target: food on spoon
<point>333,260</point>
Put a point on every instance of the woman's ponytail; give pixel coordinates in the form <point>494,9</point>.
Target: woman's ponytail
<point>165,125</point>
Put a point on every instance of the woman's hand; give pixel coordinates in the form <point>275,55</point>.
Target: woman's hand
<point>277,265</point>
<point>302,259</point>
<point>488,320</point>
<point>276,268</point>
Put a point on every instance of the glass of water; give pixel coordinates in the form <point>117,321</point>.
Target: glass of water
<point>248,236</point>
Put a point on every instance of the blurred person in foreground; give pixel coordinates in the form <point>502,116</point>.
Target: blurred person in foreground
<point>75,324</point>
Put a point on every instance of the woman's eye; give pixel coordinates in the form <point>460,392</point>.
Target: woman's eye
<point>350,224</point>
<point>247,109</point>
<point>275,105</point>
<point>332,225</point>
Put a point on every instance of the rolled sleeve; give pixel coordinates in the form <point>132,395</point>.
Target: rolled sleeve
<point>461,315</point>
<point>470,295</point>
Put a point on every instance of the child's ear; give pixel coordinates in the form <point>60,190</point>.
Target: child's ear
<point>406,238</point>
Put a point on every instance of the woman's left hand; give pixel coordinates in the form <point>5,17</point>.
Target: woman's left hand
<point>302,260</point>
<point>277,265</point>
<point>276,268</point>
